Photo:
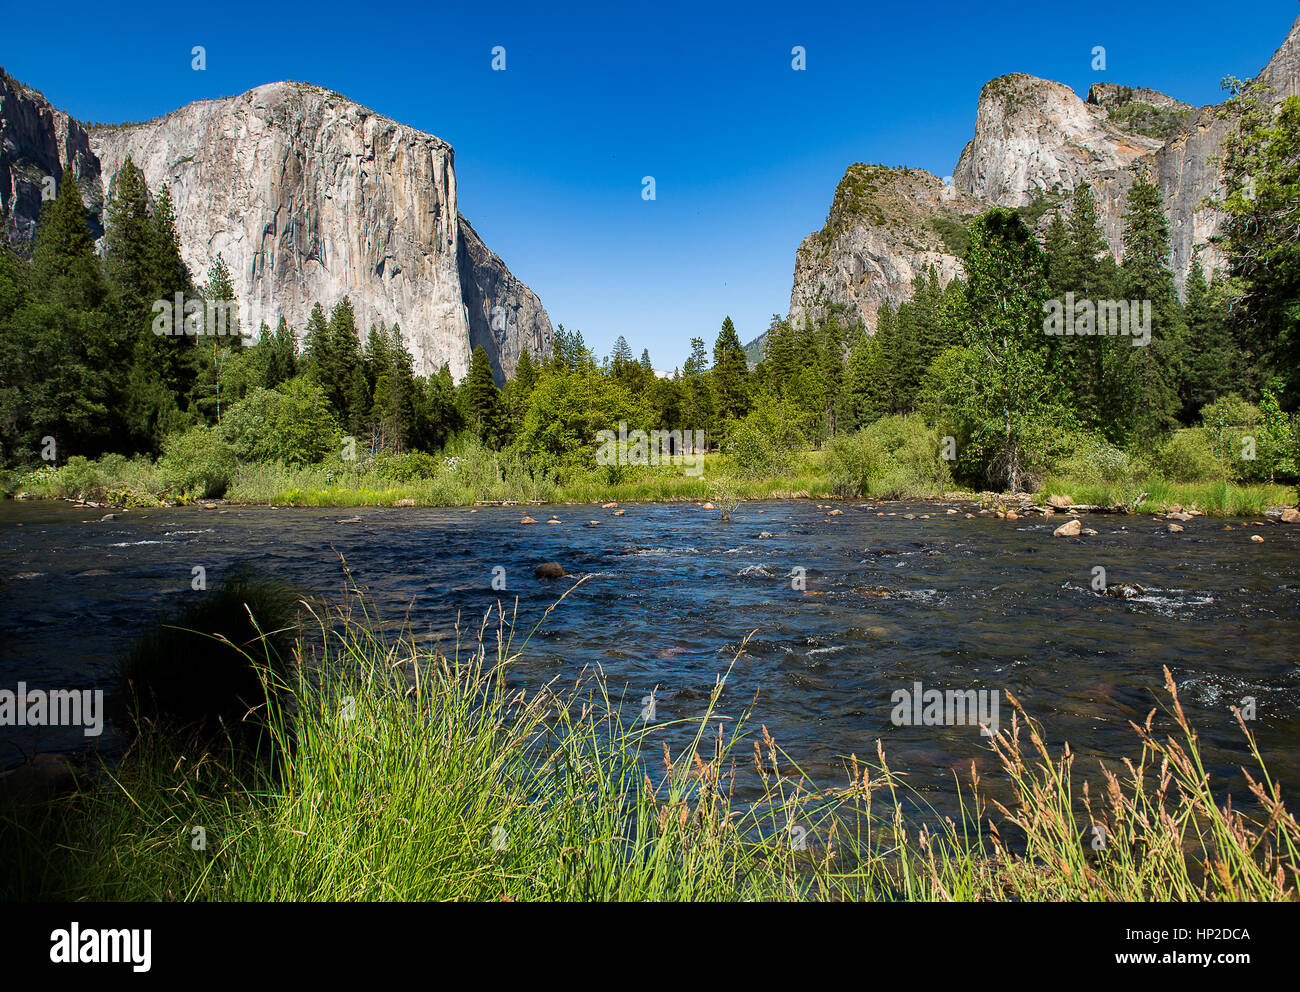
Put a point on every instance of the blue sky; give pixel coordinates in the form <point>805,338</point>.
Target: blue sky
<point>550,153</point>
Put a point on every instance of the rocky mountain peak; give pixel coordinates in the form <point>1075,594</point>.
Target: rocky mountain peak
<point>885,227</point>
<point>1034,137</point>
<point>1035,141</point>
<point>1113,96</point>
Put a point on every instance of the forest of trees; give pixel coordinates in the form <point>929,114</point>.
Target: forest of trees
<point>80,362</point>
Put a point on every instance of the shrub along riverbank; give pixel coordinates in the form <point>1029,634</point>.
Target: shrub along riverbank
<point>895,458</point>
<point>375,769</point>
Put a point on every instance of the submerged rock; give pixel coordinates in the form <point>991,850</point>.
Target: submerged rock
<point>1125,590</point>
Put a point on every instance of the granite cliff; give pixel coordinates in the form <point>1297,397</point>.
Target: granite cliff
<point>308,196</point>
<point>1034,142</point>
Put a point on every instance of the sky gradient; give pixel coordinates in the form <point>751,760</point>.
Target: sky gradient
<point>550,153</point>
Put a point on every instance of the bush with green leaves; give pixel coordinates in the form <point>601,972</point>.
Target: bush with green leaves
<point>765,442</point>
<point>852,460</point>
<point>910,461</point>
<point>1276,448</point>
<point>409,466</point>
<point>1231,426</point>
<point>1191,455</point>
<point>39,482</point>
<point>292,423</point>
<point>892,458</point>
<point>197,464</point>
<point>1094,458</point>
<point>306,429</point>
<point>80,478</point>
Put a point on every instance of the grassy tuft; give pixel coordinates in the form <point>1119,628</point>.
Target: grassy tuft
<point>209,666</point>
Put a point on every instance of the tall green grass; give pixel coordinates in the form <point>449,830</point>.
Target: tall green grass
<point>1218,498</point>
<point>407,773</point>
<point>894,459</point>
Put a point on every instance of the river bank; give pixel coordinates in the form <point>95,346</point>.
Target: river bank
<point>276,485</point>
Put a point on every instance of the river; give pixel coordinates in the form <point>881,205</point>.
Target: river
<point>884,602</point>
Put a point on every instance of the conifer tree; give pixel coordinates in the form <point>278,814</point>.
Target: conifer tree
<point>730,369</point>
<point>1153,376</point>
<point>347,387</point>
<point>480,399</point>
<point>281,362</point>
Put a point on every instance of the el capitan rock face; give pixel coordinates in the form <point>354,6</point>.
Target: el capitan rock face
<point>1035,141</point>
<point>309,197</point>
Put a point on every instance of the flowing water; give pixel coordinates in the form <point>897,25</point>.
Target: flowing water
<point>885,602</point>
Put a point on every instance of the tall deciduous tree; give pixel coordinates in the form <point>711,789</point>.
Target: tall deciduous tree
<point>1005,391</point>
